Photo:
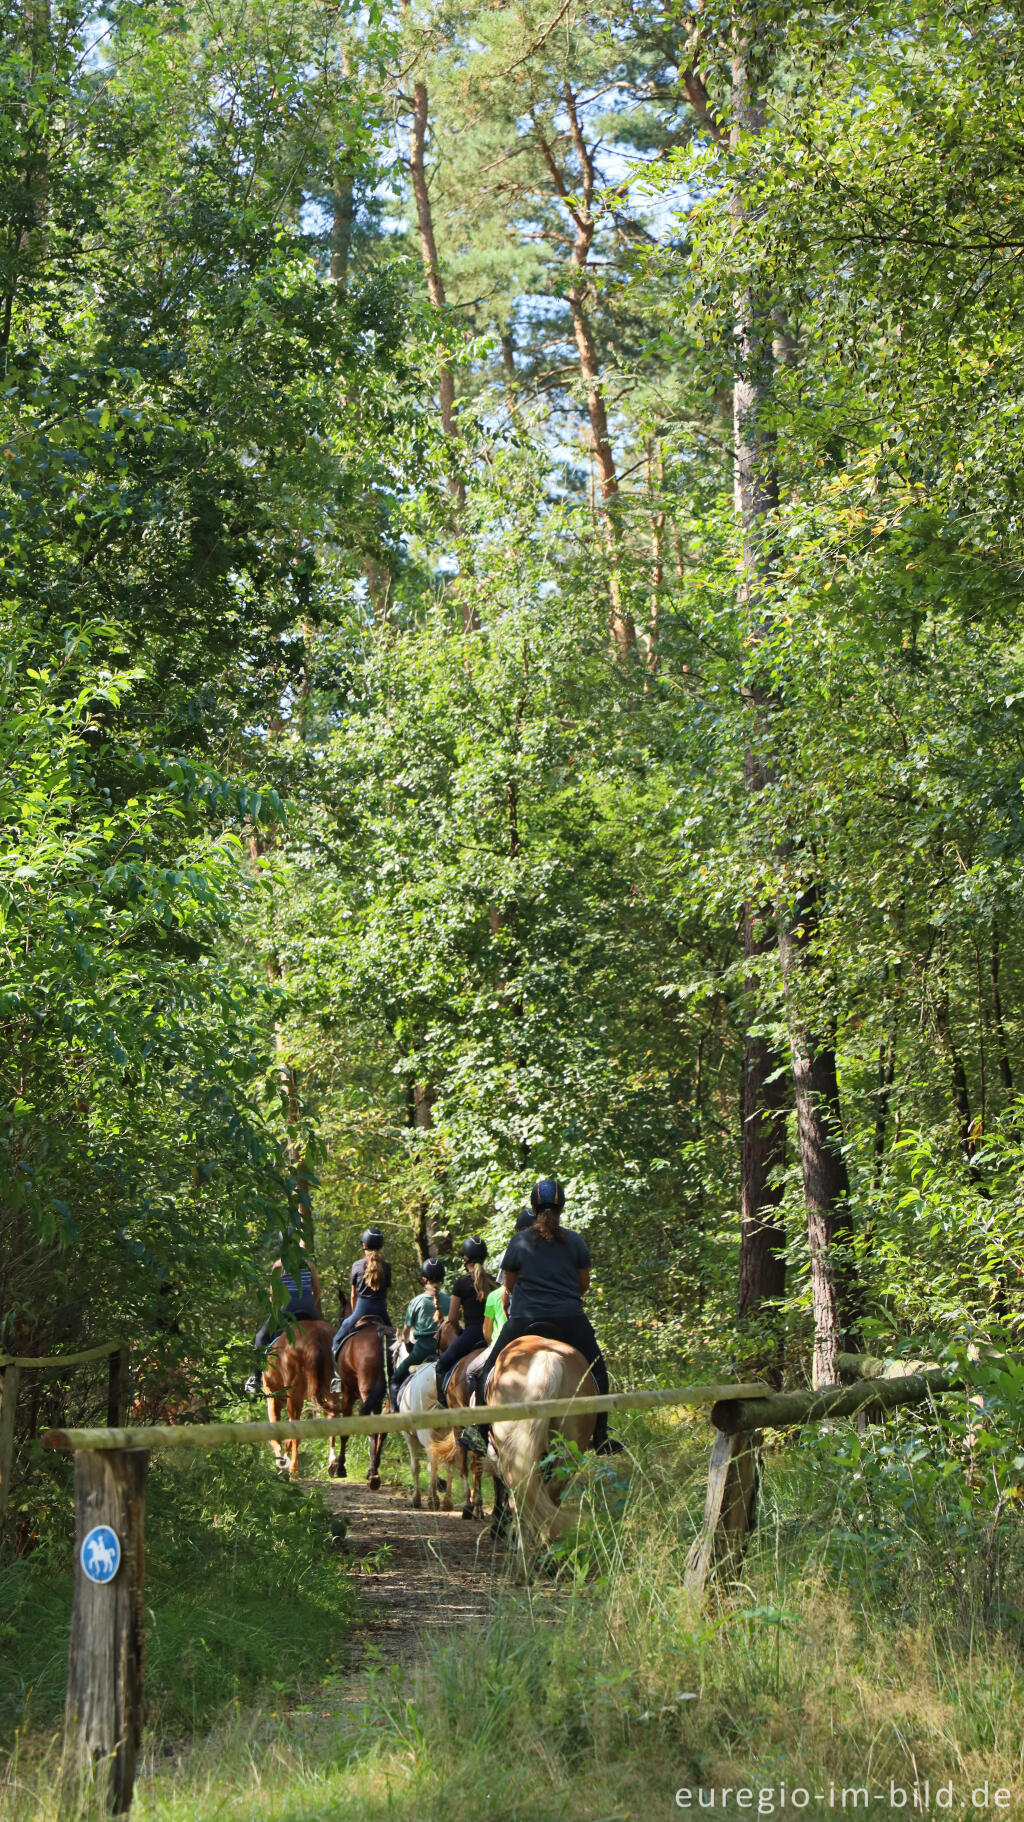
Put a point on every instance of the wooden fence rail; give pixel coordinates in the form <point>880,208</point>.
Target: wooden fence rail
<point>11,1368</point>
<point>730,1509</point>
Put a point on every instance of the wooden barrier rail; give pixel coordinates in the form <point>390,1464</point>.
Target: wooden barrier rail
<point>102,1726</point>
<point>11,1368</point>
<point>385,1423</point>
<point>730,1509</point>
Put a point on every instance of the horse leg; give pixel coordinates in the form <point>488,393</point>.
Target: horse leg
<point>463,1458</point>
<point>274,1403</point>
<point>432,1495</point>
<point>334,1465</point>
<point>348,1398</point>
<point>415,1458</point>
<point>369,1405</point>
<point>376,1450</point>
<point>478,1482</point>
<point>295,1404</point>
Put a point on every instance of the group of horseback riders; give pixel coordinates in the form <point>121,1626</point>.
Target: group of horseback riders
<point>542,1277</point>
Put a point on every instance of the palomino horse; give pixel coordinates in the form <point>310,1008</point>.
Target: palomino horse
<point>301,1372</point>
<point>363,1371</point>
<point>528,1370</point>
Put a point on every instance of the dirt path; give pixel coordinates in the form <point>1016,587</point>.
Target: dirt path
<point>421,1573</point>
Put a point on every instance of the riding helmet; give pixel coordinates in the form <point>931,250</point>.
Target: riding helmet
<point>372,1240</point>
<point>548,1193</point>
<point>432,1271</point>
<point>474,1250</point>
<point>524,1219</point>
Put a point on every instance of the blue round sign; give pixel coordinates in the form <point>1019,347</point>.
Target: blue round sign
<point>101,1554</point>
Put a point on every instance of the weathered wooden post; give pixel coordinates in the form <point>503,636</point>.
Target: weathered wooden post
<point>730,1508</point>
<point>103,1717</point>
<point>10,1377</point>
<point>117,1388</point>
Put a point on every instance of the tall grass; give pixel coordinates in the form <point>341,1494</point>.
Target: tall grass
<point>874,1637</point>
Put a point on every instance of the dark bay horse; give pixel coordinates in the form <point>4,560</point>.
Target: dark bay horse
<point>362,1369</point>
<point>300,1372</point>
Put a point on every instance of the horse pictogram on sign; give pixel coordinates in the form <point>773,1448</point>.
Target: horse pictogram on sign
<point>101,1553</point>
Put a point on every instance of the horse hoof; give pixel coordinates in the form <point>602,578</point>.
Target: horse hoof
<point>334,1470</point>
<point>467,1511</point>
<point>417,1504</point>
<point>373,1480</point>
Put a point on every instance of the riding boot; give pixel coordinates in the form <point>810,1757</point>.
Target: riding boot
<point>601,1442</point>
<point>474,1438</point>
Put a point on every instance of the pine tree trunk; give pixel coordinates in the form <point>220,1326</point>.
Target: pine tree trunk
<point>819,1128</point>
<point>579,201</point>
<point>762,1274</point>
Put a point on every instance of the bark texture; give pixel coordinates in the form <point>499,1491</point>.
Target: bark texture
<point>103,1717</point>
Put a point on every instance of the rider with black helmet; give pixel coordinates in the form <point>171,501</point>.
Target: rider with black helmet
<point>547,1270</point>
<point>369,1281</point>
<point>469,1298</point>
<point>423,1319</point>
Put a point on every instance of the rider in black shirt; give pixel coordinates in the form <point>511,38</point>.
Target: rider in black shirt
<point>547,1268</point>
<point>469,1295</point>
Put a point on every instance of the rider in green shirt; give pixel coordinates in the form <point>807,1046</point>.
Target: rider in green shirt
<point>423,1320</point>
<point>495,1313</point>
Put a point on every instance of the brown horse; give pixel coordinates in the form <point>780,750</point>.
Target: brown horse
<point>528,1370</point>
<point>300,1372</point>
<point>362,1369</point>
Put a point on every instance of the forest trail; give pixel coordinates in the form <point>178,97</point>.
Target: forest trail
<point>420,1574</point>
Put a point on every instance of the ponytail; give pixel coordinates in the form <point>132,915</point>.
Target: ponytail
<point>547,1226</point>
<point>483,1283</point>
<point>373,1273</point>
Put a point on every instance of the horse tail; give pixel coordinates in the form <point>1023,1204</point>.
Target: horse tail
<point>374,1399</point>
<point>322,1363</point>
<point>522,1447</point>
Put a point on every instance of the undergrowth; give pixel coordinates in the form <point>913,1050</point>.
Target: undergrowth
<point>244,1584</point>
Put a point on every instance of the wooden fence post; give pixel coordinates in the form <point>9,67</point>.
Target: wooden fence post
<point>103,1717</point>
<point>10,1377</point>
<point>117,1388</point>
<point>730,1509</point>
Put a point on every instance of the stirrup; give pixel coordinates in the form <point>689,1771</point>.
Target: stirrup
<point>336,1385</point>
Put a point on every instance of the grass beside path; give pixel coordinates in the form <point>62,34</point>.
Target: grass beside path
<point>245,1588</point>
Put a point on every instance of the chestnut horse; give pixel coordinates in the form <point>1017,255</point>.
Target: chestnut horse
<point>528,1370</point>
<point>362,1369</point>
<point>300,1371</point>
<point>471,1465</point>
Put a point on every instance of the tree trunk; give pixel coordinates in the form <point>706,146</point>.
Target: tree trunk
<point>1005,1068</point>
<point>762,1275</point>
<point>826,1183</point>
<point>579,201</point>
